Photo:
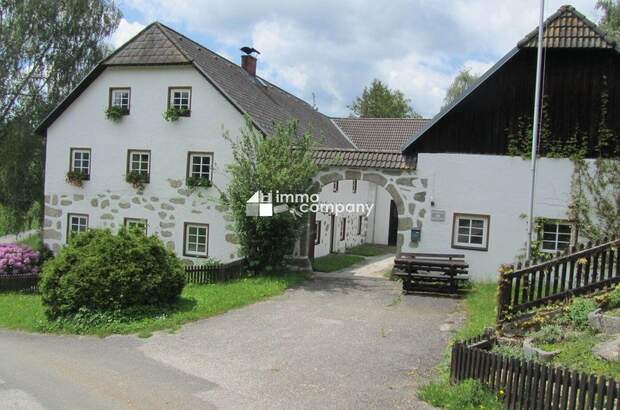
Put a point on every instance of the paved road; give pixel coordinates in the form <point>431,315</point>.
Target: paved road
<point>344,340</point>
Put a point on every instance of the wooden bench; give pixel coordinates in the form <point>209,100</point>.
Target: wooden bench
<point>431,271</point>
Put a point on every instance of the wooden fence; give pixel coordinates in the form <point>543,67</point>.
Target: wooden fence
<point>21,283</point>
<point>213,273</point>
<point>524,384</point>
<point>584,270</point>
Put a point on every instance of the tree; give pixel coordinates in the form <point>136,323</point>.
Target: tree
<point>460,84</point>
<point>47,48</point>
<point>281,162</point>
<point>610,21</point>
<point>378,101</point>
<point>595,204</point>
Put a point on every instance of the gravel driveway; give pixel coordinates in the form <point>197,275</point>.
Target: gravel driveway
<point>342,340</point>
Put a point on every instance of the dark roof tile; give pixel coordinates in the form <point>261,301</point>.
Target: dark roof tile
<point>567,28</point>
<point>363,159</point>
<point>379,133</point>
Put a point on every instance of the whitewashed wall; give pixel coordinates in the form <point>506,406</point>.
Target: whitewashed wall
<point>374,225</point>
<point>107,198</point>
<point>380,223</point>
<point>494,185</point>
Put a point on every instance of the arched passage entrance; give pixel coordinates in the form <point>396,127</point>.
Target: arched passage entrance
<point>392,171</point>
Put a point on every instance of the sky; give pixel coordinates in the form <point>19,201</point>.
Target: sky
<point>328,51</point>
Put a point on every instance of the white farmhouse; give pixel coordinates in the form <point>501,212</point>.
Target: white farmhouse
<point>106,172</point>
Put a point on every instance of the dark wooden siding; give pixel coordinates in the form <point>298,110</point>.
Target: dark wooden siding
<point>573,86</point>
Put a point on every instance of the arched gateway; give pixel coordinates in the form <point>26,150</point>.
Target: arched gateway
<point>391,170</point>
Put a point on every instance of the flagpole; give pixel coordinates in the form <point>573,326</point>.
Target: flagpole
<point>535,129</point>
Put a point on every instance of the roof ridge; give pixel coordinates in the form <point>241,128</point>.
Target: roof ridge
<point>381,151</point>
<point>379,118</point>
<point>567,8</point>
<point>159,27</point>
<point>201,46</point>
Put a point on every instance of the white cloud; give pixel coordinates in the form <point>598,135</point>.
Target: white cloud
<point>478,67</point>
<point>334,49</point>
<point>124,32</point>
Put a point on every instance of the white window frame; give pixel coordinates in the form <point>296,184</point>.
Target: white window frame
<point>120,101</point>
<point>470,231</point>
<point>181,105</point>
<point>360,223</point>
<point>130,161</point>
<point>81,168</point>
<point>335,186</point>
<point>187,243</point>
<point>354,187</point>
<point>343,229</point>
<point>556,232</point>
<point>200,174</point>
<point>139,222</point>
<point>81,224</point>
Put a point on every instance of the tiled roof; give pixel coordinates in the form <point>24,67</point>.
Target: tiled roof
<point>363,159</point>
<point>150,47</point>
<point>567,28</point>
<point>264,102</point>
<point>380,133</point>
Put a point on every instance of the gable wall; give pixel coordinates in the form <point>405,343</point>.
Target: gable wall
<point>573,82</point>
<point>107,198</point>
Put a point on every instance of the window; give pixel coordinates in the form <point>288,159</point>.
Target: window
<point>139,161</point>
<point>556,235</point>
<point>80,161</point>
<point>343,229</point>
<point>355,186</point>
<point>120,97</point>
<point>335,186</point>
<point>136,223</point>
<point>317,232</point>
<point>76,223</point>
<point>360,222</point>
<point>199,165</point>
<point>470,232</point>
<point>181,99</point>
<point>196,236</point>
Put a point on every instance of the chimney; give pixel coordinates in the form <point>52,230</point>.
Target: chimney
<point>248,61</point>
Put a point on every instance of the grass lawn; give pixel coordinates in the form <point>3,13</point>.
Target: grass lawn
<point>33,241</point>
<point>480,307</point>
<point>25,312</point>
<point>335,261</point>
<point>369,249</point>
<point>577,355</point>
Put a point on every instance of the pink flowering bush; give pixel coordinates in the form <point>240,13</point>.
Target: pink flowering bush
<point>18,260</point>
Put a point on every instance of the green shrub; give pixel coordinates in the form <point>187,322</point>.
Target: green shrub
<point>578,312</point>
<point>552,334</point>
<point>101,271</point>
<point>609,300</point>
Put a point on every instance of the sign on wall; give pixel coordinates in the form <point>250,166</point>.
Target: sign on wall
<point>438,215</point>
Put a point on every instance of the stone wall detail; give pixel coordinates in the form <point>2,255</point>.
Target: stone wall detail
<point>407,189</point>
<point>108,210</point>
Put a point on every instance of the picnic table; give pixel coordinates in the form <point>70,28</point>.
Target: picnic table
<point>431,271</point>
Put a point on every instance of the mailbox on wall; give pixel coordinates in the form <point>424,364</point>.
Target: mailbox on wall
<point>416,234</point>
